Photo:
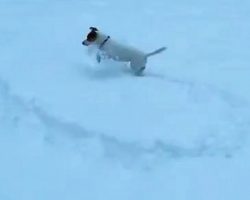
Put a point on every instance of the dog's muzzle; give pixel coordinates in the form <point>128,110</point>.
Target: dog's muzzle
<point>85,43</point>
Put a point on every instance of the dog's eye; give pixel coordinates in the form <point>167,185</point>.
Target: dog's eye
<point>92,36</point>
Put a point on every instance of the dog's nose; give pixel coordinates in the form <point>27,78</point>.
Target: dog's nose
<point>85,43</point>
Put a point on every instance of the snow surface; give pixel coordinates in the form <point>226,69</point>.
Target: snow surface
<point>72,129</point>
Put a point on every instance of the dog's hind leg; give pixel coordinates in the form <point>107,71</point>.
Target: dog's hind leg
<point>138,66</point>
<point>140,71</point>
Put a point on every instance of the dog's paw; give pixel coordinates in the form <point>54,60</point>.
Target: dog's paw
<point>140,72</point>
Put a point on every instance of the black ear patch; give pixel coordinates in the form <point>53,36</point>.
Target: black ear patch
<point>93,28</point>
<point>91,37</point>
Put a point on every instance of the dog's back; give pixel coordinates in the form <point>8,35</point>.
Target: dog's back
<point>122,52</point>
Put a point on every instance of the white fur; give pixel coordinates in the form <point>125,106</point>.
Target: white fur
<point>121,52</point>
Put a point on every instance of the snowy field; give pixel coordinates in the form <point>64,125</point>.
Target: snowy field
<point>72,129</point>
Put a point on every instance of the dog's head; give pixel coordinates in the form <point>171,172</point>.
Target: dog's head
<point>91,37</point>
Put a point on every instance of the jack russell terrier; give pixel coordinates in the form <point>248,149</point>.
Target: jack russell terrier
<point>110,48</point>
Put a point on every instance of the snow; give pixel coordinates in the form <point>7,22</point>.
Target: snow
<point>74,129</point>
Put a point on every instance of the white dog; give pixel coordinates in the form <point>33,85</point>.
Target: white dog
<point>119,52</point>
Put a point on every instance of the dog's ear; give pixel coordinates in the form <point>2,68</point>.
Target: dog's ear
<point>93,28</point>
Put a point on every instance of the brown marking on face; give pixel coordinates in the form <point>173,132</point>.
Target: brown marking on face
<point>92,36</point>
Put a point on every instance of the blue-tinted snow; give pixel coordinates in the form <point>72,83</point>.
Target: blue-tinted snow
<point>73,129</point>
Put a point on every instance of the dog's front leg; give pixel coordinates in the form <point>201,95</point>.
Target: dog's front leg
<point>98,57</point>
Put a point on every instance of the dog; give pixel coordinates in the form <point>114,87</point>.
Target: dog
<point>109,48</point>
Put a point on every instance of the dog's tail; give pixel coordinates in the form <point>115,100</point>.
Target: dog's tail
<point>156,51</point>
